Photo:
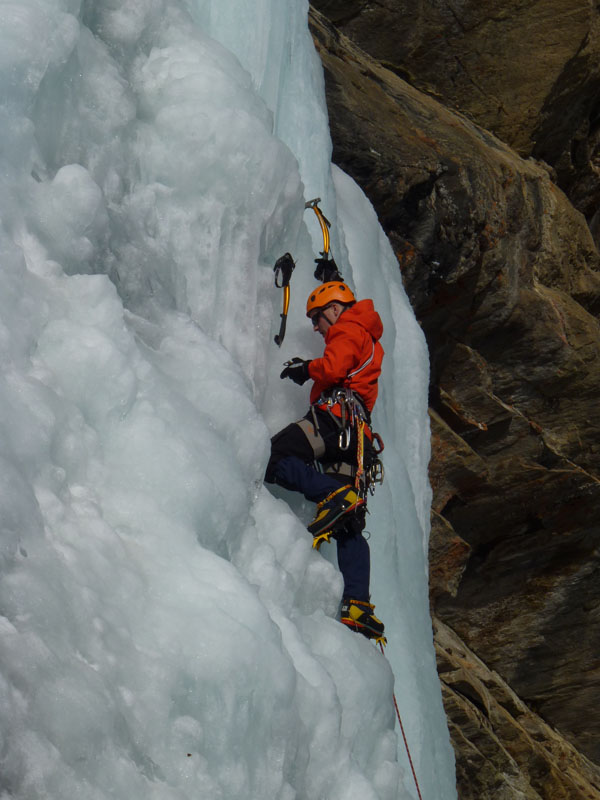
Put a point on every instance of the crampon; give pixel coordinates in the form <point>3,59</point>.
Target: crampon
<point>358,616</point>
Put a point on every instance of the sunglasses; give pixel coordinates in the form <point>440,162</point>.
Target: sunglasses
<point>315,317</point>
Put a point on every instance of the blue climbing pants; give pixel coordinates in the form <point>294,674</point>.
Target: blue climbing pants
<point>294,451</point>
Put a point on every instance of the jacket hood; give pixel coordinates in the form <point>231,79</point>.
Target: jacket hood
<point>363,313</point>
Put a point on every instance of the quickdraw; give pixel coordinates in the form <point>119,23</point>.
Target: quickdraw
<point>283,268</point>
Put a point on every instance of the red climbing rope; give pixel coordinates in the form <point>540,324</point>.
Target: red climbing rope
<point>410,761</point>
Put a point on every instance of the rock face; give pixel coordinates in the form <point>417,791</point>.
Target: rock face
<point>509,751</point>
<point>503,274</point>
<point>527,70</point>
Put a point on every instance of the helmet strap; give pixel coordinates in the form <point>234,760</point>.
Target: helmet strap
<point>326,317</point>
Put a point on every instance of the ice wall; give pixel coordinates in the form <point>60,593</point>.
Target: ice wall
<point>166,629</point>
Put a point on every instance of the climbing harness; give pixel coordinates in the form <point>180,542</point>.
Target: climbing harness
<point>410,761</point>
<point>353,416</point>
<point>366,472</point>
<point>283,269</point>
<point>351,410</point>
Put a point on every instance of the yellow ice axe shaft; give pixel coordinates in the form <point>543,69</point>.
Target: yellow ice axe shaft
<point>323,222</point>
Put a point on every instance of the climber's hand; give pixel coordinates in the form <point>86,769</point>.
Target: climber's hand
<point>327,270</point>
<point>296,370</point>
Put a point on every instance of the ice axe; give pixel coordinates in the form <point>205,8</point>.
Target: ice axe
<point>283,269</point>
<point>326,267</point>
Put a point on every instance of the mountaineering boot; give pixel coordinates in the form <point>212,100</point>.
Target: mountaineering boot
<point>334,506</point>
<point>358,615</point>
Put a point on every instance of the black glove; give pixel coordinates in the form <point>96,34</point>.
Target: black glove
<point>296,370</point>
<point>327,270</point>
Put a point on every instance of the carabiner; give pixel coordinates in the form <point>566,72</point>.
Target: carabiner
<point>344,440</point>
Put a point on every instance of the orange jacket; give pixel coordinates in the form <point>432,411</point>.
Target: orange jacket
<point>351,342</point>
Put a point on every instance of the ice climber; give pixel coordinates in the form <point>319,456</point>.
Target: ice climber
<point>329,454</point>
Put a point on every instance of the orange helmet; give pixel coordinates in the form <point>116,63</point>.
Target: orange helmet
<point>327,293</point>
